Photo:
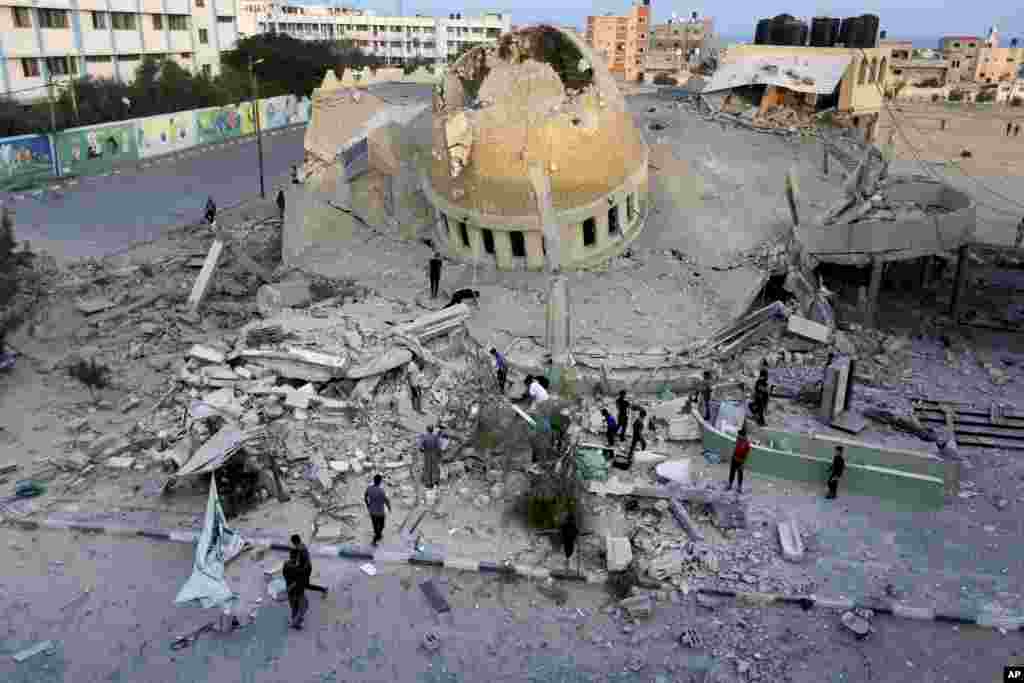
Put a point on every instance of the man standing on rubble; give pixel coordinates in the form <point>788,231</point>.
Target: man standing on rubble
<point>378,505</point>
<point>280,203</point>
<point>500,369</point>
<point>1020,234</point>
<point>435,273</point>
<point>835,472</point>
<point>622,406</point>
<point>761,392</point>
<point>415,379</point>
<point>306,562</point>
<point>705,396</point>
<point>611,426</point>
<point>430,444</point>
<point>294,580</point>
<point>739,460</point>
<point>211,212</point>
<point>638,433</point>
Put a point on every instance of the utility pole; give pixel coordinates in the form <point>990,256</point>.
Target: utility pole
<point>256,114</point>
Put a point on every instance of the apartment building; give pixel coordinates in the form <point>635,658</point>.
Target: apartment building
<point>973,59</point>
<point>622,41</point>
<point>909,66</point>
<point>394,39</point>
<point>57,40</point>
<point>675,44</point>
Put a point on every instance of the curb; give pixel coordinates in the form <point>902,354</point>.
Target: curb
<point>349,551</point>
<point>891,608</point>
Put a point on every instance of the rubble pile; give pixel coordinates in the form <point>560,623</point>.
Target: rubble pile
<point>781,116</point>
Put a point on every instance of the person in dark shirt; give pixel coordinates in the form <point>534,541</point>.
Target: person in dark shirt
<point>378,505</point>
<point>622,404</point>
<point>280,203</point>
<point>294,580</point>
<point>501,369</point>
<point>435,274</point>
<point>430,444</point>
<point>638,433</point>
<point>835,472</point>
<point>739,460</point>
<point>307,564</point>
<point>461,295</point>
<point>611,426</point>
<point>211,211</point>
<point>705,395</point>
<point>761,392</point>
<point>569,532</point>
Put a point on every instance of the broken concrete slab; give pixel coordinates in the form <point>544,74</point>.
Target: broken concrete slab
<point>217,373</point>
<point>207,354</point>
<point>856,624</point>
<point>790,540</point>
<point>683,517</point>
<point>808,329</point>
<point>130,403</point>
<point>684,428</point>
<point>363,391</point>
<point>295,363</point>
<point>95,305</point>
<point>100,445</point>
<point>38,648</point>
<point>674,471</point>
<point>389,360</point>
<point>849,421</point>
<point>436,324</point>
<point>272,299</point>
<point>9,467</point>
<point>120,463</point>
<point>638,606</point>
<point>619,552</point>
<point>297,399</point>
<point>202,284</point>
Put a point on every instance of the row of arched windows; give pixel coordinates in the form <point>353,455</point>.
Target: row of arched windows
<point>872,71</point>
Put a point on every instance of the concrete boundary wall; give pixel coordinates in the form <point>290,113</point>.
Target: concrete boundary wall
<point>918,491</point>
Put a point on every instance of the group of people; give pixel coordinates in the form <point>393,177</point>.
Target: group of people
<point>1012,129</point>
<point>742,451</point>
<point>758,402</point>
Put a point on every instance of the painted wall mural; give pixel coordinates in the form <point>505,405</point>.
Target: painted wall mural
<point>96,149</point>
<point>284,110</point>
<point>224,123</point>
<point>25,162</point>
<point>165,134</point>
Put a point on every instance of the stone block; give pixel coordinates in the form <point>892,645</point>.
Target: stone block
<point>207,354</point>
<point>271,299</point>
<point>789,538</point>
<point>638,606</point>
<point>808,329</point>
<point>619,552</point>
<point>684,428</point>
<point>120,463</point>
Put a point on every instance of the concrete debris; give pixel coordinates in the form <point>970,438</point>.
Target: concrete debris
<point>619,553</point>
<point>684,428</point>
<point>391,359</point>
<point>791,541</point>
<point>638,606</point>
<point>207,354</point>
<point>272,299</point>
<point>91,306</point>
<point>120,463</point>
<point>9,467</point>
<point>856,624</point>
<point>674,471</point>
<point>202,284</point>
<point>38,648</point>
<point>808,329</point>
<point>295,363</point>
<point>436,324</point>
<point>683,517</point>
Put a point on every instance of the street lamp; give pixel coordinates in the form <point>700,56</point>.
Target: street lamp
<point>256,114</point>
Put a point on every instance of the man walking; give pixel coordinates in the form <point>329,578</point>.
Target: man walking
<point>623,413</point>
<point>435,273</point>
<point>280,203</point>
<point>638,433</point>
<point>211,212</point>
<point>294,580</point>
<point>431,447</point>
<point>306,563</point>
<point>739,460</point>
<point>377,504</point>
<point>705,396</point>
<point>415,379</point>
<point>835,472</point>
<point>1020,234</point>
<point>761,394</point>
<point>500,369</point>
<point>611,426</point>
<point>295,174</point>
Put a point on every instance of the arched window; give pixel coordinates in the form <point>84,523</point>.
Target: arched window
<point>882,70</point>
<point>873,78</point>
<point>863,75</point>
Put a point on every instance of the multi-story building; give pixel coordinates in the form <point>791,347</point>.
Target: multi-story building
<point>622,41</point>
<point>43,41</point>
<point>913,68</point>
<point>392,38</point>
<point>675,44</point>
<point>981,60</point>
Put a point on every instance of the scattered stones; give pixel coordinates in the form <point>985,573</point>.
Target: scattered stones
<point>856,624</point>
<point>619,553</point>
<point>691,638</point>
<point>638,606</point>
<point>431,642</point>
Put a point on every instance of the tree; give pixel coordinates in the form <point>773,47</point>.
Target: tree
<point>288,65</point>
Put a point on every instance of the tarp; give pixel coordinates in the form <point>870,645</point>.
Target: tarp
<point>809,74</point>
<point>217,450</point>
<point>218,545</point>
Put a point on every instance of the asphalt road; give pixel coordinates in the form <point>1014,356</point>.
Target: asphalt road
<point>106,603</point>
<point>104,214</point>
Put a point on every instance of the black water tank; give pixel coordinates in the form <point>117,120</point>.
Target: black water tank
<point>780,30</point>
<point>763,35</point>
<point>854,29</point>
<point>844,30</point>
<point>803,34</point>
<point>824,31</point>
<point>869,31</point>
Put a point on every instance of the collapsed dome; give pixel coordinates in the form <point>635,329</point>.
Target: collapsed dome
<point>537,98</point>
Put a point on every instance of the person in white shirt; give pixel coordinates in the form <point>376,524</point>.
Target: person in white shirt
<point>537,392</point>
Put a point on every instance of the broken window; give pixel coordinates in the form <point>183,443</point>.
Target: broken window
<point>464,233</point>
<point>488,241</point>
<point>613,220</point>
<point>589,232</point>
<point>518,244</point>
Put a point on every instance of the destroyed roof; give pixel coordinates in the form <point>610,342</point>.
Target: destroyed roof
<point>815,74</point>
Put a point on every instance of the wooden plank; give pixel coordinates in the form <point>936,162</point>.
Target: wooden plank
<point>202,284</point>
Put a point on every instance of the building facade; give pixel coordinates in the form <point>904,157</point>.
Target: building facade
<point>394,39</point>
<point>973,59</point>
<point>57,40</point>
<point>621,42</point>
<point>676,44</point>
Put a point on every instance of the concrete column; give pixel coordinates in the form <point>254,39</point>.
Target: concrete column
<point>503,249</point>
<point>534,250</point>
<point>962,263</point>
<point>871,312</point>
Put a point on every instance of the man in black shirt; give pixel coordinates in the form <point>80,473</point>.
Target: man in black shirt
<point>378,505</point>
<point>835,472</point>
<point>761,393</point>
<point>705,395</point>
<point>638,433</point>
<point>461,295</point>
<point>435,273</point>
<point>623,413</point>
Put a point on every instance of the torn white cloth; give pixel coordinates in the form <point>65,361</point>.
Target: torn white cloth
<point>218,545</point>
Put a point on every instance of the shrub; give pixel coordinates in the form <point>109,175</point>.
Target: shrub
<point>1016,101</point>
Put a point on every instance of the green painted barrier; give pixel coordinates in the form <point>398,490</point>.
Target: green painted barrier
<point>93,150</point>
<point>26,161</point>
<point>917,490</point>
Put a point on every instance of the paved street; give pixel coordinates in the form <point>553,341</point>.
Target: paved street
<point>100,215</point>
<point>371,629</point>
